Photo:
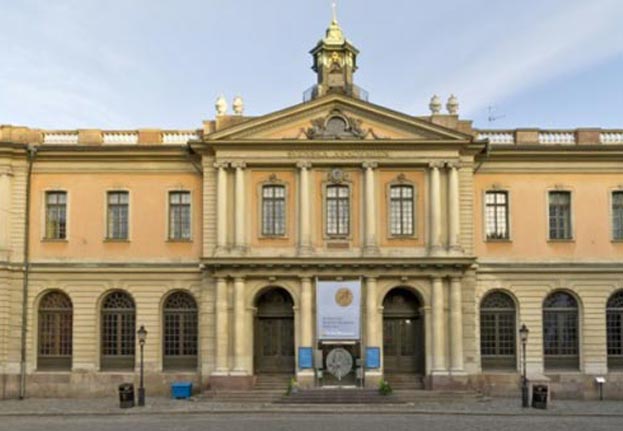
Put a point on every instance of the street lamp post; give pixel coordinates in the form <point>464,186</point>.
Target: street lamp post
<point>142,336</point>
<point>523,336</point>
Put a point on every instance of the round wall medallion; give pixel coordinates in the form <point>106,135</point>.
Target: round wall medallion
<point>339,362</point>
<point>344,297</point>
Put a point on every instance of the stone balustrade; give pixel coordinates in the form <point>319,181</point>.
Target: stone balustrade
<point>557,137</point>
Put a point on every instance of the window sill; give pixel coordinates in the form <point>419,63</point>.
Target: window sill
<point>499,240</point>
<point>567,240</point>
<point>617,241</point>
<point>182,241</point>
<point>403,237</point>
<point>273,237</point>
<point>54,240</point>
<point>114,240</point>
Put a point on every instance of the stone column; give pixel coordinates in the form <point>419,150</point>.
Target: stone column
<point>435,209</point>
<point>306,312</point>
<point>304,209</point>
<point>221,206</point>
<point>239,324</point>
<point>239,216</point>
<point>438,317</point>
<point>222,327</point>
<point>372,313</point>
<point>370,244</point>
<point>5,209</point>
<point>456,325</point>
<point>454,227</point>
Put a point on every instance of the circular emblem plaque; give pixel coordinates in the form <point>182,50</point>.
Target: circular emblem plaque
<point>339,362</point>
<point>344,297</point>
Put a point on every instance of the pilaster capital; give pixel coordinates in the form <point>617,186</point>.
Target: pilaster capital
<point>371,278</point>
<point>453,164</point>
<point>303,164</point>
<point>455,278</point>
<point>221,164</point>
<point>370,165</point>
<point>306,279</point>
<point>238,164</point>
<point>436,278</point>
<point>436,164</point>
<point>238,279</point>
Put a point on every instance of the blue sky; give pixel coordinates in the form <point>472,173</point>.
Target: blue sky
<point>162,63</point>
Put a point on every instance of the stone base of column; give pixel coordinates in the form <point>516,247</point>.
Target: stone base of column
<point>305,250</point>
<point>371,250</point>
<point>373,379</point>
<point>240,250</point>
<point>221,251</point>
<point>448,382</point>
<point>456,250</point>
<point>231,383</point>
<point>437,251</point>
<point>305,379</point>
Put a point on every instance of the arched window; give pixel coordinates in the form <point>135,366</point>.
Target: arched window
<point>614,329</point>
<point>497,331</point>
<point>560,331</point>
<point>401,210</point>
<point>118,331</point>
<point>55,332</point>
<point>180,331</point>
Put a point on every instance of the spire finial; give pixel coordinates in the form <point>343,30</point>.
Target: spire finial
<point>334,7</point>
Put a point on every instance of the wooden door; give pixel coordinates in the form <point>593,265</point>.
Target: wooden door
<point>274,333</point>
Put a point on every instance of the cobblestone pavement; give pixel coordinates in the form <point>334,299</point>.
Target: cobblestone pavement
<point>309,422</point>
<point>162,405</point>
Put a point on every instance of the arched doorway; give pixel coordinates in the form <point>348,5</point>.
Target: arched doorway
<point>274,333</point>
<point>403,333</point>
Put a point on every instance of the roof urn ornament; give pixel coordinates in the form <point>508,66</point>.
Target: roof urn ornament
<point>238,105</point>
<point>435,105</point>
<point>453,105</point>
<point>221,106</point>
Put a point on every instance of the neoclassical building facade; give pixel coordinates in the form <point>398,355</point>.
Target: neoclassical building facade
<point>217,241</point>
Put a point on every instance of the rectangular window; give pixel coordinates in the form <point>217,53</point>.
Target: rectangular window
<point>617,215</point>
<point>179,215</point>
<point>338,210</point>
<point>496,215</point>
<point>401,210</point>
<point>118,206</point>
<point>273,210</point>
<point>559,215</point>
<point>55,215</point>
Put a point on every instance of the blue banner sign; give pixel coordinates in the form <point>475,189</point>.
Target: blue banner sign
<point>373,357</point>
<point>305,358</point>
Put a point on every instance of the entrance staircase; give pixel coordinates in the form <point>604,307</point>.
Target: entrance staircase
<point>268,389</point>
<point>405,381</point>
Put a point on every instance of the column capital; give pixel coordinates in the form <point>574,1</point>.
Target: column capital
<point>238,164</point>
<point>455,278</point>
<point>221,164</point>
<point>371,277</point>
<point>453,164</point>
<point>303,164</point>
<point>305,278</point>
<point>370,165</point>
<point>238,279</point>
<point>436,164</point>
<point>436,278</point>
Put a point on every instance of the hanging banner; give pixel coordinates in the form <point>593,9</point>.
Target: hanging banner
<point>338,309</point>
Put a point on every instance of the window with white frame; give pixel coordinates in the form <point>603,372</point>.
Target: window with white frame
<point>338,210</point>
<point>401,209</point>
<point>559,215</point>
<point>617,215</point>
<point>118,207</point>
<point>179,215</point>
<point>273,210</point>
<point>56,215</point>
<point>496,214</point>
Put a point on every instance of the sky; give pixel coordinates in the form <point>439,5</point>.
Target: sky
<point>125,64</point>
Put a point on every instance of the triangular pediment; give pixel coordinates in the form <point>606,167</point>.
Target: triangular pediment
<point>337,117</point>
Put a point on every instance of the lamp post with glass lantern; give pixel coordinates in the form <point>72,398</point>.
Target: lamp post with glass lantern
<point>523,336</point>
<point>142,336</point>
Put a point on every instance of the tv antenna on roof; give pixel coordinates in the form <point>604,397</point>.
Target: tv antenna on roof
<point>492,117</point>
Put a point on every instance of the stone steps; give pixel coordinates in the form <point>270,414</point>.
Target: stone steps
<point>338,396</point>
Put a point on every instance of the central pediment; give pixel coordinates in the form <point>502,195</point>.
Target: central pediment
<point>335,118</point>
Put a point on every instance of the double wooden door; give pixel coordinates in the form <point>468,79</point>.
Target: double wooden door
<point>275,345</point>
<point>402,345</point>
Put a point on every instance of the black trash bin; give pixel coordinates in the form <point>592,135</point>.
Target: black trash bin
<point>126,395</point>
<point>539,396</point>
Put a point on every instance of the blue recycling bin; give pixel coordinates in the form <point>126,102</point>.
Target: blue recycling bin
<point>181,390</point>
